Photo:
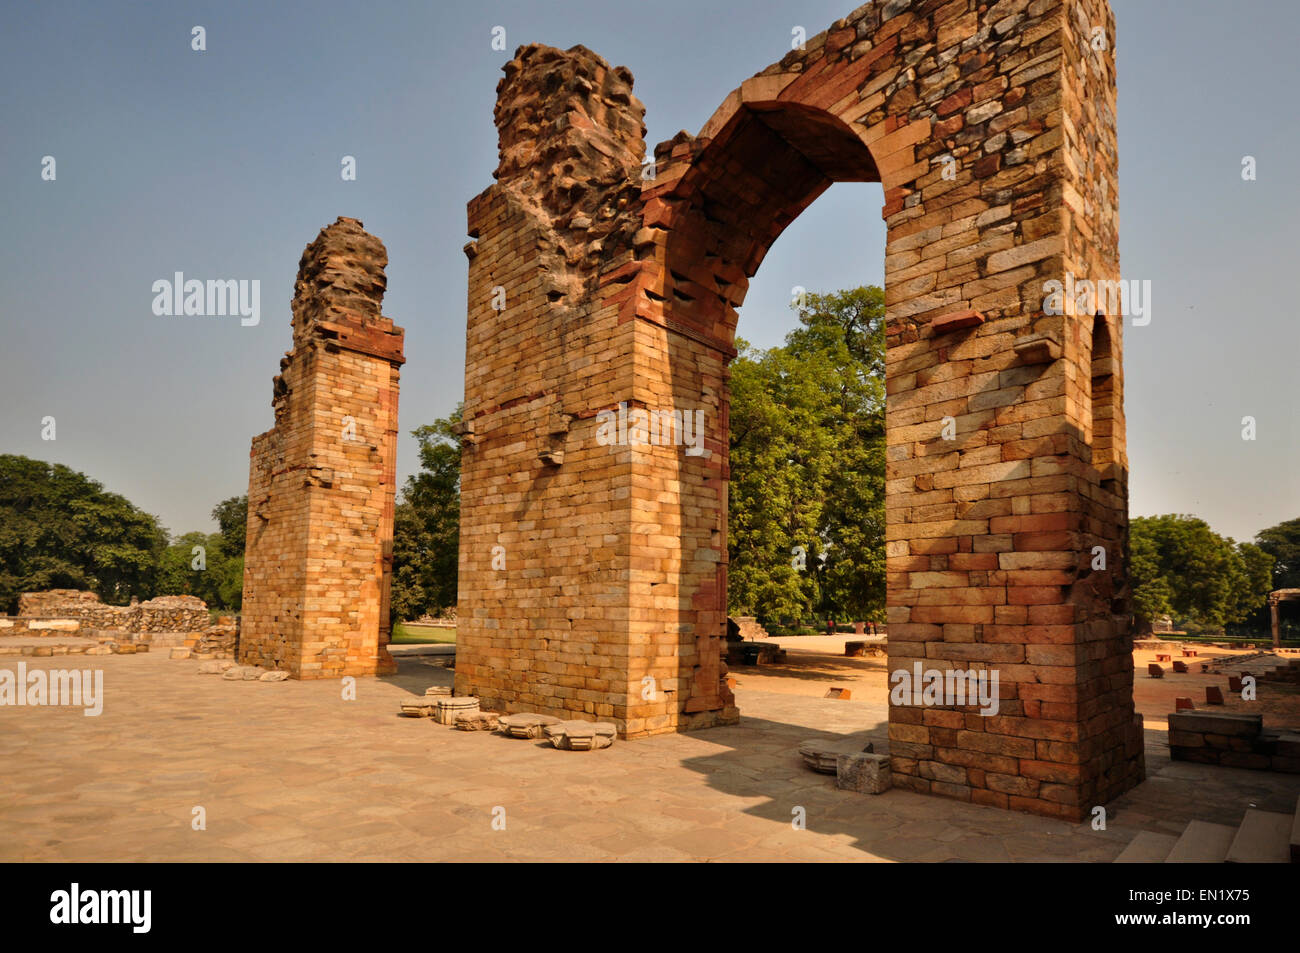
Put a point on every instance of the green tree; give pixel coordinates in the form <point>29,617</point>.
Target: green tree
<point>61,529</point>
<point>844,333</point>
<point>1153,597</point>
<point>778,456</point>
<point>807,465</point>
<point>426,525</point>
<point>1282,542</point>
<point>228,577</point>
<point>1253,583</point>
<point>1183,568</point>
<point>197,564</point>
<point>232,519</point>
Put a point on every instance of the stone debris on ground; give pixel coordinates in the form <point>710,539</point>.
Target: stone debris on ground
<point>819,756</point>
<point>526,725</point>
<point>252,673</point>
<point>822,754</point>
<point>423,707</point>
<point>581,735</point>
<point>477,720</point>
<point>863,772</point>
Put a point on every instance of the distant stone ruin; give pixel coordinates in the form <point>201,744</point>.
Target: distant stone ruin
<point>318,561</point>
<point>162,614</point>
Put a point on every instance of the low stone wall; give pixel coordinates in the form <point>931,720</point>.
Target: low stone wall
<point>179,623</point>
<point>1232,739</point>
<point>40,626</point>
<point>163,614</point>
<point>62,648</point>
<point>52,602</point>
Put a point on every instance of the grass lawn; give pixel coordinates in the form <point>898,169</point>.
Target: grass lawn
<point>404,634</point>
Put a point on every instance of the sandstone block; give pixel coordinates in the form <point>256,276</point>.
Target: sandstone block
<point>863,773</point>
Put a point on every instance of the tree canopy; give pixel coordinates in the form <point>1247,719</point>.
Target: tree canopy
<point>806,517</point>
<point>1183,569</point>
<point>59,529</point>
<point>1282,542</point>
<point>426,525</point>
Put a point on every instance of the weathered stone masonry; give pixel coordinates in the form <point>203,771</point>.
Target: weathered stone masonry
<point>991,128</point>
<point>321,482</point>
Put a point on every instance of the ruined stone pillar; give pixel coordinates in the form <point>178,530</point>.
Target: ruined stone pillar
<point>553,536</point>
<point>321,482</point>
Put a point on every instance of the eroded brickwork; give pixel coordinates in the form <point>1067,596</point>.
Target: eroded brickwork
<point>992,131</point>
<point>321,482</point>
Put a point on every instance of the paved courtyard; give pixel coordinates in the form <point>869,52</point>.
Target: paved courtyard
<point>291,771</point>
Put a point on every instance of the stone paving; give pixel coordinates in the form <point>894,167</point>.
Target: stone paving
<point>290,771</point>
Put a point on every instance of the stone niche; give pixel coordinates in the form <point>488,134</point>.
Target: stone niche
<point>319,554</point>
<point>593,575</point>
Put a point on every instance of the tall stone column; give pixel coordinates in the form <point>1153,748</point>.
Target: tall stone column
<point>321,484</point>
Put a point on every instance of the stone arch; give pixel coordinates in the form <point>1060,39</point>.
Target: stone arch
<point>991,130</point>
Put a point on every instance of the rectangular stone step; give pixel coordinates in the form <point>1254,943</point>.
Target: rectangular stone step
<point>1202,843</point>
<point>1263,838</point>
<point>1147,848</point>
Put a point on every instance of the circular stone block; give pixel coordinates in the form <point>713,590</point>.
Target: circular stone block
<point>525,725</point>
<point>821,756</point>
<point>449,708</point>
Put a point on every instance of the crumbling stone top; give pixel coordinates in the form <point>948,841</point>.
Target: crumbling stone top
<point>340,278</point>
<point>571,141</point>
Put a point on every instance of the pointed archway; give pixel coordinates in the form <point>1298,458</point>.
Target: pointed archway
<point>593,569</point>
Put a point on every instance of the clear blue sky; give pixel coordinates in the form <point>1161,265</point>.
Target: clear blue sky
<point>225,163</point>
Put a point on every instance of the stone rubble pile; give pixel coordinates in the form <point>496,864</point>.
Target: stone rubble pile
<point>219,641</point>
<point>242,673</point>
